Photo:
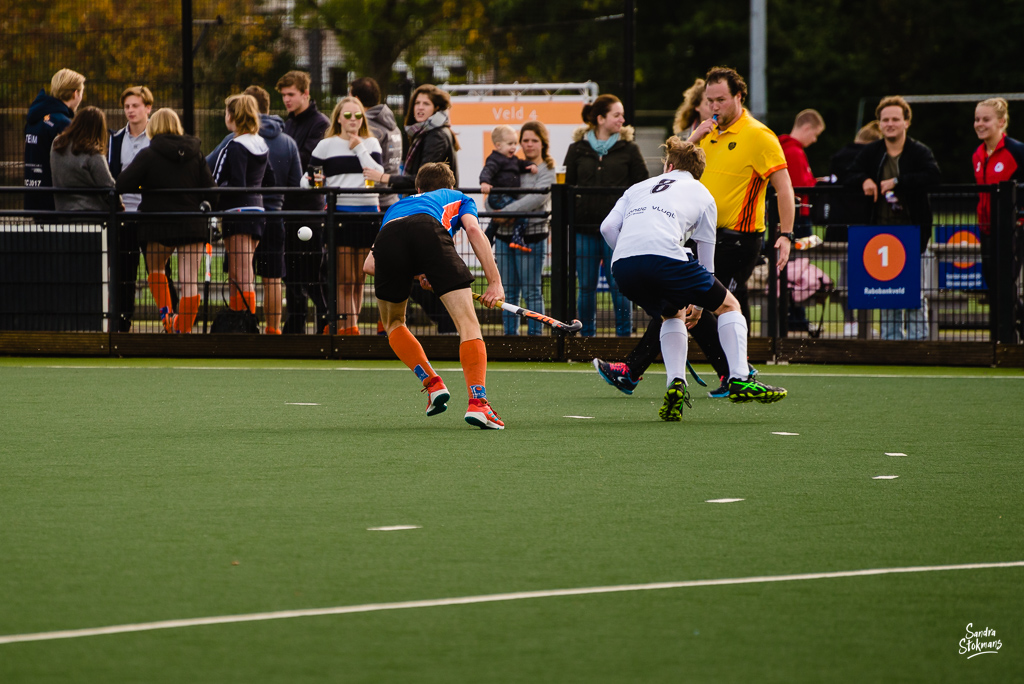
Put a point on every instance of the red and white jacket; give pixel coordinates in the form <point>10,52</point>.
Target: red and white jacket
<point>1005,163</point>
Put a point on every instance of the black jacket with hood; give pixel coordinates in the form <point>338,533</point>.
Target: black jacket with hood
<point>622,167</point>
<point>170,161</point>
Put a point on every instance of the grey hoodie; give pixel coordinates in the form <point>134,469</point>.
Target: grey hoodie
<point>381,121</point>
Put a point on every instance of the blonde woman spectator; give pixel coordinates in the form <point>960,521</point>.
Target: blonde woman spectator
<point>343,155</point>
<point>172,160</point>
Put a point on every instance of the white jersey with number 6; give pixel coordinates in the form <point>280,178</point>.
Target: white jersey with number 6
<point>657,216</point>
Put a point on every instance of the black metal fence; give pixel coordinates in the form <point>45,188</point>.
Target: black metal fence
<point>72,272</point>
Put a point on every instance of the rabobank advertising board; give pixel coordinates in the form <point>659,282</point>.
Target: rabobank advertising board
<point>884,267</point>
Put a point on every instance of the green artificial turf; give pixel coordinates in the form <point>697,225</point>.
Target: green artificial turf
<point>142,490</point>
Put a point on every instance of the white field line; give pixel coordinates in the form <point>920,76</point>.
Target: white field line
<point>457,369</point>
<point>487,598</point>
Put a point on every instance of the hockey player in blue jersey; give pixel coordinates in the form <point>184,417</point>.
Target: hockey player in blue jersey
<point>416,240</point>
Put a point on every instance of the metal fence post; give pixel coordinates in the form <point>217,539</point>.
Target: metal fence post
<point>332,264</point>
<point>559,262</point>
<point>113,267</point>
<point>1003,293</point>
<point>771,235</point>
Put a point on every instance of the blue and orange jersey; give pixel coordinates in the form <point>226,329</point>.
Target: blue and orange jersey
<point>1005,163</point>
<point>447,206</point>
<point>739,161</point>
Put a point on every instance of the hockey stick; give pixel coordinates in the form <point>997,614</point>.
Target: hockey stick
<point>205,207</point>
<point>573,327</point>
<point>695,376</point>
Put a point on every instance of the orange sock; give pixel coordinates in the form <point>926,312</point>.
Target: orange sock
<point>473,357</point>
<point>250,299</point>
<point>235,302</point>
<point>410,352</point>
<point>272,331</point>
<point>188,309</point>
<point>161,292</point>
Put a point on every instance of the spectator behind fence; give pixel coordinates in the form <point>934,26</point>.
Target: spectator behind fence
<point>304,260</point>
<point>501,169</point>
<point>521,271</point>
<point>840,209</point>
<point>896,173</point>
<point>284,158</point>
<point>341,158</point>
<point>381,121</point>
<point>125,144</point>
<point>243,163</point>
<point>692,111</point>
<point>48,116</point>
<point>603,155</point>
<point>998,158</point>
<point>78,160</point>
<point>172,160</point>
<point>430,140</point>
<point>807,126</point>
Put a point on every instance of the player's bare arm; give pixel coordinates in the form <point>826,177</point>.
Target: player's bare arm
<point>783,185</point>
<point>482,248</point>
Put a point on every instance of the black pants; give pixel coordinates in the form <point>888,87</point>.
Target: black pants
<point>304,277</point>
<point>128,251</point>
<point>736,256</point>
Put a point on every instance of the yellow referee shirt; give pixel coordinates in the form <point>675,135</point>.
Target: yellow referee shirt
<point>740,159</point>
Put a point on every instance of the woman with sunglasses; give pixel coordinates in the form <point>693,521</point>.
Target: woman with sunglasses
<point>338,161</point>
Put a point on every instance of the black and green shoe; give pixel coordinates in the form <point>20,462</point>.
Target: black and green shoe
<point>677,395</point>
<point>752,390</point>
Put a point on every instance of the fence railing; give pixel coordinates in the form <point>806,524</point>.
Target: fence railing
<point>85,271</point>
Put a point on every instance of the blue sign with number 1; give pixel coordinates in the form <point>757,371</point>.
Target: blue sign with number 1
<point>884,265</point>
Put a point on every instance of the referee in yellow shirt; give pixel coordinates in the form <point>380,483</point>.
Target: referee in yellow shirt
<point>743,157</point>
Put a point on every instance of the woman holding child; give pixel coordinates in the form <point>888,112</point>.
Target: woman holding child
<point>521,270</point>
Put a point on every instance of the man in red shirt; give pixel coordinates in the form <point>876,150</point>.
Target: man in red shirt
<point>807,126</point>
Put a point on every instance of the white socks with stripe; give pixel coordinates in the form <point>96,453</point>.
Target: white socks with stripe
<point>674,341</point>
<point>732,331</point>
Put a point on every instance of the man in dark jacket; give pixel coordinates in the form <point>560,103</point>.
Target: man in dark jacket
<point>896,173</point>
<point>304,260</point>
<point>381,121</point>
<point>48,116</point>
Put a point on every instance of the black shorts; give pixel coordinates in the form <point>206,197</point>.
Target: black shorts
<point>412,245</point>
<point>249,223</point>
<point>269,257</point>
<point>353,231</point>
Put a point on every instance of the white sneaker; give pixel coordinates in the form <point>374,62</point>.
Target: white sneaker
<point>851,329</point>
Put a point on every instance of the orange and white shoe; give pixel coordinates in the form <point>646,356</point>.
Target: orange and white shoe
<point>438,395</point>
<point>483,416</point>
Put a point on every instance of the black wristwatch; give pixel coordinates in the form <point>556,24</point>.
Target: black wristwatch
<point>792,238</point>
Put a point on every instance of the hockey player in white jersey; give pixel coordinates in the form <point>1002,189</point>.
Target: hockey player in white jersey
<point>647,230</point>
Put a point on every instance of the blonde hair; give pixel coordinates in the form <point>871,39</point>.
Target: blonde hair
<point>687,115</point>
<point>870,132</point>
<point>65,83</point>
<point>335,129</point>
<point>1001,108</point>
<point>502,133</point>
<point>683,155</point>
<point>244,113</point>
<point>809,116</point>
<point>164,121</point>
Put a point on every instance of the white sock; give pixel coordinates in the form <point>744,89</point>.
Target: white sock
<point>674,340</point>
<point>732,331</point>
